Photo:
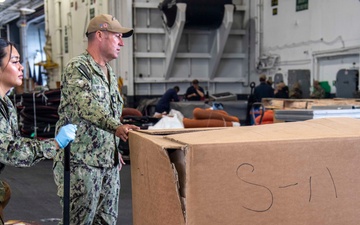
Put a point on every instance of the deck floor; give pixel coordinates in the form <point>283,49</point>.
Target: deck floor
<point>34,198</point>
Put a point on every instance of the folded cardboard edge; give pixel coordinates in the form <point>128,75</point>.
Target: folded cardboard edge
<point>178,130</point>
<point>143,161</point>
<point>304,130</point>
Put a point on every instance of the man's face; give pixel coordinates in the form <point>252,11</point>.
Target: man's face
<point>112,44</point>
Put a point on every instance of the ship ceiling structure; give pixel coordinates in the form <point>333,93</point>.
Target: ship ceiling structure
<point>12,9</point>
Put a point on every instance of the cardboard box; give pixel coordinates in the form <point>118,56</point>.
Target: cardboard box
<point>278,174</point>
<point>280,103</point>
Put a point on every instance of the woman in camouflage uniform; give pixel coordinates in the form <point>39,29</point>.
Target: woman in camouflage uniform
<point>14,149</point>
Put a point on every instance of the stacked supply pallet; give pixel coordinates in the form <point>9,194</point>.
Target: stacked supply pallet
<point>38,113</point>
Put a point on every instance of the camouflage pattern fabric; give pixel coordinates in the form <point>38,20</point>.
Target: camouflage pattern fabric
<point>16,150</point>
<point>318,93</point>
<point>94,104</point>
<point>4,191</point>
<point>95,193</point>
<point>5,195</point>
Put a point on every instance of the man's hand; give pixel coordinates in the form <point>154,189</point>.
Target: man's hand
<point>200,92</point>
<point>121,162</point>
<point>123,130</point>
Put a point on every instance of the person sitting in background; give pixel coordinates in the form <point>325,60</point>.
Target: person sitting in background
<point>318,91</point>
<point>296,91</point>
<point>281,91</point>
<point>16,150</point>
<point>163,105</point>
<point>194,92</point>
<point>263,90</point>
<point>270,83</point>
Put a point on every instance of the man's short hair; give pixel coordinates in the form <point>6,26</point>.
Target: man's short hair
<point>195,81</point>
<point>262,77</point>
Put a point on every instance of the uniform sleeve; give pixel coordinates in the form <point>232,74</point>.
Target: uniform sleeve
<point>188,92</point>
<point>77,86</point>
<point>202,90</point>
<point>22,152</point>
<point>175,96</point>
<point>271,93</point>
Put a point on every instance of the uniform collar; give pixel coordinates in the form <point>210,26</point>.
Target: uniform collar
<point>95,66</point>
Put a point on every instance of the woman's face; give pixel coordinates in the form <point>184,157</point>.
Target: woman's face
<point>11,71</point>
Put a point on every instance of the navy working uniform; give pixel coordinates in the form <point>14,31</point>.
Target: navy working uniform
<point>163,104</point>
<point>94,104</point>
<point>192,90</point>
<point>263,90</point>
<point>16,150</point>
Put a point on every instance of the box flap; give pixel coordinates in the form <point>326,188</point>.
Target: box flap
<point>154,183</point>
<point>177,131</point>
<point>310,129</point>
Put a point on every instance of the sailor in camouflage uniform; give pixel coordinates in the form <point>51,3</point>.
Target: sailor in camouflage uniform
<point>16,150</point>
<point>90,98</point>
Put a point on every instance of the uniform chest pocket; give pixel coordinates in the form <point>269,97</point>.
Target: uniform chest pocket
<point>101,92</point>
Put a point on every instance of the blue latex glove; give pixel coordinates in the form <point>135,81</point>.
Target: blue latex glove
<point>66,135</point>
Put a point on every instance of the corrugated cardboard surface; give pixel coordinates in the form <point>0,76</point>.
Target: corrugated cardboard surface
<point>288,173</point>
<point>177,130</point>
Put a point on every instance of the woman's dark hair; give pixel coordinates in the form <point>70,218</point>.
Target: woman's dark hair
<point>3,45</point>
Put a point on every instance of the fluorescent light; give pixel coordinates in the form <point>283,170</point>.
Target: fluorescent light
<point>26,10</point>
<point>2,0</point>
